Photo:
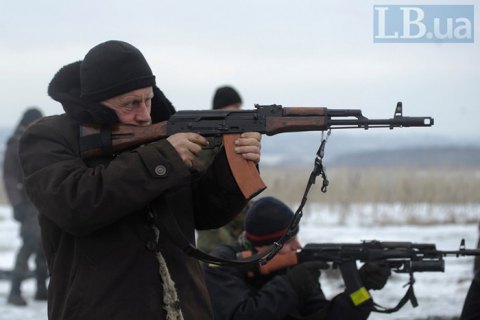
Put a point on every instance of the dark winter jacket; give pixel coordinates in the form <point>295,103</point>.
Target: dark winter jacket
<point>236,295</point>
<point>95,217</point>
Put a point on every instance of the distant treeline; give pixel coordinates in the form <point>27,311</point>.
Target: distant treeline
<point>371,149</point>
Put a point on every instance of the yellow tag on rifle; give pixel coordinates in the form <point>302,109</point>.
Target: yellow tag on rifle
<point>360,296</point>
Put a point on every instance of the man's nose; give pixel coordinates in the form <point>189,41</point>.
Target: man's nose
<point>143,112</point>
<point>295,244</point>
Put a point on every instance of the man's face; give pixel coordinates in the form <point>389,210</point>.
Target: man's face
<point>132,107</point>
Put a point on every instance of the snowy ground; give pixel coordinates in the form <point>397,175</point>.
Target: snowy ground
<point>9,242</point>
<point>440,295</point>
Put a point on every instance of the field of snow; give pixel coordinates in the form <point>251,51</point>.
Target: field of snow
<point>440,295</point>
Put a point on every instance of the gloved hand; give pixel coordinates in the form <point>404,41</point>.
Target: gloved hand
<point>304,277</point>
<point>374,275</point>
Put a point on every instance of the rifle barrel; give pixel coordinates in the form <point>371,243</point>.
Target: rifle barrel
<point>380,123</point>
<point>461,252</point>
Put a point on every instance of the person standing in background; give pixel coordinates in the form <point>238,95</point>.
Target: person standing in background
<point>26,214</point>
<point>225,98</point>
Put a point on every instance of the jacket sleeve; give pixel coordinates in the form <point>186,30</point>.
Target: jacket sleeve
<point>81,199</point>
<point>341,307</point>
<point>217,192</point>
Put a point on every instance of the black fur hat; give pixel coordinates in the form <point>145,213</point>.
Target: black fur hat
<point>66,88</point>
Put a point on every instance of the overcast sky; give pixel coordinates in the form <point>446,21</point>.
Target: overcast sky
<point>308,53</point>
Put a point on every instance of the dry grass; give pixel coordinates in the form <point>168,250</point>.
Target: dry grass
<point>371,185</point>
<point>377,185</point>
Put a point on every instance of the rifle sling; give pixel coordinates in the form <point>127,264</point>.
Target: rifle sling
<point>167,224</point>
<point>101,141</point>
<point>409,296</point>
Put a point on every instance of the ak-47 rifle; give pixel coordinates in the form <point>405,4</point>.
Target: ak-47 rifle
<point>266,119</point>
<point>401,257</point>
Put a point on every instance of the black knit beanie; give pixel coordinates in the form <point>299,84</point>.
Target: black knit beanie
<point>225,96</point>
<point>113,68</point>
<point>266,221</point>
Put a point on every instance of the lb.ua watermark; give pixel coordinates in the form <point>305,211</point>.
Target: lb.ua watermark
<point>423,23</point>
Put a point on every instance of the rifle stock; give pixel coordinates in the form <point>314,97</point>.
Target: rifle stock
<point>96,141</point>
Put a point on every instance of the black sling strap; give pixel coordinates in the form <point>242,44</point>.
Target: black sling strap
<point>409,296</point>
<point>101,141</point>
<point>167,224</point>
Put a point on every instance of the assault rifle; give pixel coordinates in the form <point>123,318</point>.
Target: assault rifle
<point>266,119</point>
<point>400,257</point>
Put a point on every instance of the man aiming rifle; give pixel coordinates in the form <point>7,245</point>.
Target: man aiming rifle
<point>226,127</point>
<point>401,257</point>
<point>288,292</point>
